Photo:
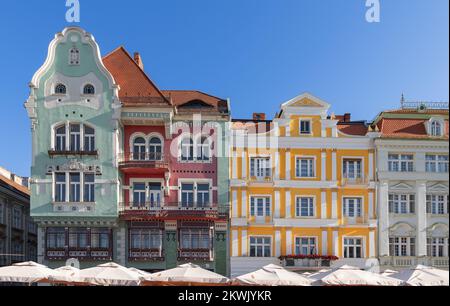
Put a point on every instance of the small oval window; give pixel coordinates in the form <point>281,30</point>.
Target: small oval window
<point>89,90</point>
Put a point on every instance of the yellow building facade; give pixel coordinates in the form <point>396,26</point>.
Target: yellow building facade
<point>302,190</point>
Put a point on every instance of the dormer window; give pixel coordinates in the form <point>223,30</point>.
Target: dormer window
<point>436,128</point>
<point>74,56</point>
<point>60,89</point>
<point>89,90</point>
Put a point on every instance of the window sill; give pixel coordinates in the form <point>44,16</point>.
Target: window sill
<point>53,153</point>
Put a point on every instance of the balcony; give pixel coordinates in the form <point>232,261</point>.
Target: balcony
<point>82,254</point>
<point>260,220</point>
<point>345,221</point>
<point>407,262</point>
<point>195,254</point>
<point>352,182</point>
<point>263,181</point>
<point>81,153</point>
<point>143,163</point>
<point>146,255</point>
<point>172,211</point>
<point>307,264</point>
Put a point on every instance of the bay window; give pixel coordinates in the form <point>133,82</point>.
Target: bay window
<point>78,238</point>
<point>56,238</point>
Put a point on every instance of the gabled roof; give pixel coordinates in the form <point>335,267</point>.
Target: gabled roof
<point>306,100</point>
<point>186,100</point>
<point>136,88</point>
<point>407,128</point>
<point>14,185</point>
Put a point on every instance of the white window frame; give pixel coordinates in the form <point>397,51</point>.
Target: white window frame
<point>147,191</point>
<point>68,185</point>
<point>345,210</point>
<point>267,206</point>
<point>261,245</point>
<point>186,148</point>
<point>298,209</point>
<point>437,204</point>
<point>69,133</point>
<point>262,164</point>
<point>362,246</point>
<point>433,247</point>
<point>402,247</point>
<point>310,122</point>
<point>298,166</point>
<point>345,168</point>
<point>299,245</point>
<point>409,164</point>
<point>396,202</point>
<point>439,165</point>
<point>436,127</point>
<point>196,182</point>
<point>202,147</point>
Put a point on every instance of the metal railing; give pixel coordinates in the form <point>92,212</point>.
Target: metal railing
<point>195,254</point>
<point>424,105</point>
<point>149,160</point>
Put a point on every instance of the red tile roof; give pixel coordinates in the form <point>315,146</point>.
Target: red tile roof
<point>353,129</point>
<point>15,185</point>
<point>136,88</point>
<point>191,99</point>
<point>406,128</point>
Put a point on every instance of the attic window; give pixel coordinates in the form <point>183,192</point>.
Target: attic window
<point>195,104</point>
<point>436,128</point>
<point>74,57</point>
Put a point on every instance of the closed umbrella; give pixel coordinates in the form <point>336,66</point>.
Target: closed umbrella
<point>26,272</point>
<point>273,275</point>
<point>110,274</point>
<point>187,275</point>
<point>423,276</point>
<point>353,276</point>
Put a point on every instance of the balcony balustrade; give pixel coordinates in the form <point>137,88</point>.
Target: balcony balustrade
<point>364,220</point>
<point>85,254</point>
<point>411,261</point>
<point>138,162</point>
<point>195,254</point>
<point>145,254</point>
<point>358,181</point>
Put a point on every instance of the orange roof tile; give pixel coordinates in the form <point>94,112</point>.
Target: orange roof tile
<point>183,98</point>
<point>406,128</point>
<point>353,129</point>
<point>15,185</point>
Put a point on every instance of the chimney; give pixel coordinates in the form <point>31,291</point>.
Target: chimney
<point>347,117</point>
<point>259,116</point>
<point>138,60</point>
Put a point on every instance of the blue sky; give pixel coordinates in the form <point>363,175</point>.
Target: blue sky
<point>258,53</point>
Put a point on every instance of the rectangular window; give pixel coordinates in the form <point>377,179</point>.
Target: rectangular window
<point>139,195</point>
<point>155,194</point>
<point>260,207</point>
<point>100,238</point>
<point>78,238</point>
<point>353,248</point>
<point>305,207</point>
<point>75,187</point>
<point>401,162</point>
<point>89,188</point>
<point>203,198</point>
<point>2,212</point>
<point>17,218</point>
<point>402,246</point>
<point>402,204</point>
<point>436,247</point>
<point>193,239</point>
<point>352,207</point>
<point>56,238</point>
<point>260,247</point>
<point>145,239</point>
<point>260,167</point>
<point>436,163</point>
<point>352,169</point>
<point>305,127</point>
<point>75,138</point>
<point>60,187</point>
<point>305,246</point>
<point>437,204</point>
<point>305,167</point>
<point>187,195</point>
<point>89,139</point>
<point>60,139</point>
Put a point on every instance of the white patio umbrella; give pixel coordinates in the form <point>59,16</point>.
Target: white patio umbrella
<point>187,274</point>
<point>140,272</point>
<point>353,276</point>
<point>423,276</point>
<point>273,275</point>
<point>110,274</point>
<point>388,272</point>
<point>26,272</point>
<point>66,275</point>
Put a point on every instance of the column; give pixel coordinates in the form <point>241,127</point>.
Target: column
<point>277,243</point>
<point>234,165</point>
<point>336,243</point>
<point>288,165</point>
<point>288,204</point>
<point>244,243</point>
<point>170,244</point>
<point>277,204</point>
<point>334,165</point>
<point>383,218</point>
<point>421,215</point>
<point>235,243</point>
<point>324,166</point>
<point>371,203</point>
<point>323,198</point>
<point>234,204</point>
<point>334,205</point>
<point>371,168</point>
<point>288,242</point>
<point>372,243</point>
<point>244,165</point>
<point>277,165</point>
<point>325,243</point>
<point>121,245</point>
<point>244,208</point>
<point>220,248</point>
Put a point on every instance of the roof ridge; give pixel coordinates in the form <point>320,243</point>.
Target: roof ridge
<point>195,90</point>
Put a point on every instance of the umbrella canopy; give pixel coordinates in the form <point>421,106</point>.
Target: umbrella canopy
<point>110,274</point>
<point>273,275</point>
<point>66,275</point>
<point>353,276</point>
<point>423,276</point>
<point>140,272</point>
<point>187,274</point>
<point>26,272</point>
<point>388,272</point>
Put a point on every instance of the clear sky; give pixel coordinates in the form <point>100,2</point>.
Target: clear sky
<point>258,53</point>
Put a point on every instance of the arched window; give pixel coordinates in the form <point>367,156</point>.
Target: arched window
<point>436,128</point>
<point>139,149</point>
<point>155,149</point>
<point>187,149</point>
<point>60,89</point>
<point>74,56</point>
<point>203,149</point>
<point>89,139</point>
<point>60,138</point>
<point>89,90</point>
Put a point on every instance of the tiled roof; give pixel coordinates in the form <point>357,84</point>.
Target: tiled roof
<point>252,126</point>
<point>359,129</point>
<point>413,111</point>
<point>192,99</point>
<point>136,88</point>
<point>406,128</point>
<point>15,185</point>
